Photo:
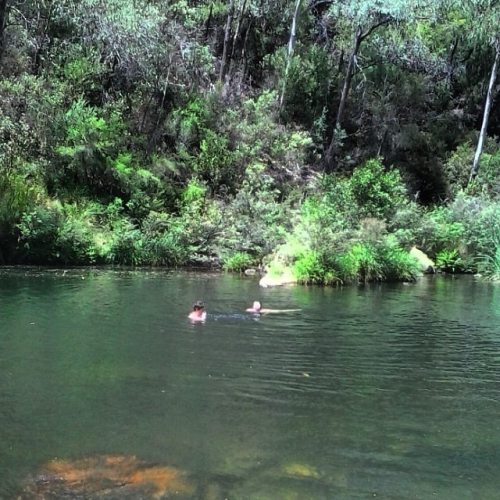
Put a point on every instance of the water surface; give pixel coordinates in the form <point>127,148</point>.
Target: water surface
<point>388,391</point>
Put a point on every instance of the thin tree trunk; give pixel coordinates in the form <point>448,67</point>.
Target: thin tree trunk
<point>291,46</point>
<point>359,36</point>
<point>227,37</point>
<point>486,115</point>
<point>345,92</point>
<point>3,23</point>
<point>451,61</point>
<point>209,21</point>
<point>244,51</point>
<point>241,12</point>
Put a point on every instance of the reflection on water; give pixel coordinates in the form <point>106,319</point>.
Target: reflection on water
<point>389,391</point>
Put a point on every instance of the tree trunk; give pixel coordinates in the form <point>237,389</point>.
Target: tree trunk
<point>244,57</point>
<point>345,92</point>
<point>236,34</point>
<point>359,36</point>
<point>451,62</point>
<point>486,115</point>
<point>227,37</point>
<point>291,46</point>
<point>209,21</point>
<point>3,23</point>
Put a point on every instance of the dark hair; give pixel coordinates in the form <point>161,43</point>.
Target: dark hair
<point>198,305</point>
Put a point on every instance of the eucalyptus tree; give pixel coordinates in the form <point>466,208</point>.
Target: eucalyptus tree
<point>291,47</point>
<point>3,22</point>
<point>362,18</point>
<point>483,23</point>
<point>227,39</point>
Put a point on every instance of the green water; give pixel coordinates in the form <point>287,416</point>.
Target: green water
<point>383,391</point>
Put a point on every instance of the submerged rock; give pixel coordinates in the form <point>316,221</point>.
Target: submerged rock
<point>426,264</point>
<point>301,471</point>
<point>109,476</point>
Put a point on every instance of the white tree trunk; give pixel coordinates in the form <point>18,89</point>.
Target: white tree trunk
<point>291,46</point>
<point>486,115</point>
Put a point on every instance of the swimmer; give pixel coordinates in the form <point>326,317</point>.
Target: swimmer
<point>198,313</point>
<point>258,309</point>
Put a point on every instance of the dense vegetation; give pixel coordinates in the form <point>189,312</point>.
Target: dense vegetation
<point>320,137</point>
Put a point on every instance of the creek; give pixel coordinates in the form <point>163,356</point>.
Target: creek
<point>388,391</point>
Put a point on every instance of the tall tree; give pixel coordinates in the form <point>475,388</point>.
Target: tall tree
<point>484,27</point>
<point>227,39</point>
<point>364,17</point>
<point>3,23</point>
<point>291,47</point>
<point>241,12</point>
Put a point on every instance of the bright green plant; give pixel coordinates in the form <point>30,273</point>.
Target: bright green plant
<point>238,261</point>
<point>359,264</point>
<point>378,192</point>
<point>449,261</point>
<point>397,263</point>
<point>126,244</point>
<point>313,268</point>
<point>215,161</point>
<point>489,265</point>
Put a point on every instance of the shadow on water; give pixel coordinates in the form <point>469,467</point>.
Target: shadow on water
<point>385,390</point>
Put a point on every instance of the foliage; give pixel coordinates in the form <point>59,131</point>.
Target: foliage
<point>313,268</point>
<point>489,263</point>
<point>119,144</point>
<point>239,261</point>
<point>377,192</point>
<point>487,182</point>
<point>448,261</point>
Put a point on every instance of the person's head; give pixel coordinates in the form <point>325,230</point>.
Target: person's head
<point>198,306</point>
<point>257,306</point>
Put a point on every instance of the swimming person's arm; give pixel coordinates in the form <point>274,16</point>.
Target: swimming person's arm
<point>271,311</point>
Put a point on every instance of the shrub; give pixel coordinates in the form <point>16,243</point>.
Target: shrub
<point>449,261</point>
<point>254,219</point>
<point>376,191</point>
<point>215,161</point>
<point>74,242</point>
<point>359,264</point>
<point>38,231</point>
<point>406,224</point>
<point>164,241</point>
<point>490,264</point>
<point>238,261</point>
<point>313,268</point>
<point>397,263</point>
<point>126,243</point>
<point>458,165</point>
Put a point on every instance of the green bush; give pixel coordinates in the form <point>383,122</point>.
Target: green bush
<point>38,232</point>
<point>376,191</point>
<point>238,262</point>
<point>449,261</point>
<point>74,242</point>
<point>164,240</point>
<point>313,268</point>
<point>359,264</point>
<point>457,170</point>
<point>254,220</point>
<point>489,265</point>
<point>126,244</point>
<point>397,263</point>
<point>215,162</point>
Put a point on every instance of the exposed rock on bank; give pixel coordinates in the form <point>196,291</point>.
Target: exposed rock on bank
<point>426,264</point>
